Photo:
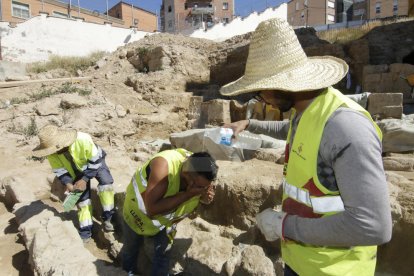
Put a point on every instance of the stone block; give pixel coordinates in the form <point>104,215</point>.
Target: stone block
<point>375,69</point>
<point>29,216</point>
<point>377,101</point>
<point>371,86</point>
<point>17,191</point>
<point>392,112</point>
<point>372,77</point>
<point>217,112</point>
<point>387,82</point>
<point>402,68</point>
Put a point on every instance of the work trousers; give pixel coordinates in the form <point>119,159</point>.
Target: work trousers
<point>106,197</point>
<point>133,242</point>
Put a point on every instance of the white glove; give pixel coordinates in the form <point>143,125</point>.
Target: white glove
<point>270,223</point>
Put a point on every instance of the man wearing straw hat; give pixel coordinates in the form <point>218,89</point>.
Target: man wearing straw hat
<point>335,205</point>
<point>76,159</point>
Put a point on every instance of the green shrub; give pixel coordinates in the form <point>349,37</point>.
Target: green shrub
<point>28,131</point>
<point>70,64</point>
<point>31,129</point>
<point>44,93</point>
<point>15,100</point>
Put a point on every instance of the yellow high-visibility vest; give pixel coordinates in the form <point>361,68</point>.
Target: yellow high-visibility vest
<point>305,196</point>
<point>135,214</point>
<point>83,150</point>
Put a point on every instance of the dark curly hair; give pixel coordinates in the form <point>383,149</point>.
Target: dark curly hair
<point>203,164</point>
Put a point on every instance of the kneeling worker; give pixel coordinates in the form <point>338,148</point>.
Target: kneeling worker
<point>75,159</point>
<point>165,190</point>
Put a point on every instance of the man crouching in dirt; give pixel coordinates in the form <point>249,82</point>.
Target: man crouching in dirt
<point>165,190</point>
<point>75,159</point>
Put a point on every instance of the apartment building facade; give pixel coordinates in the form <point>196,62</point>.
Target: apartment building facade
<point>311,12</point>
<point>181,16</point>
<point>377,9</point>
<point>17,11</point>
<point>323,12</point>
<point>136,17</point>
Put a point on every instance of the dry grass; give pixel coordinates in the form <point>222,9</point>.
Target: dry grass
<point>346,35</point>
<point>66,88</point>
<point>70,64</point>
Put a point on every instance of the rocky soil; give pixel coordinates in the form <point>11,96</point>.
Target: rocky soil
<point>135,98</point>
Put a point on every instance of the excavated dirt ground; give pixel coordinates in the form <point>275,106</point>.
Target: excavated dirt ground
<point>13,254</point>
<point>138,94</point>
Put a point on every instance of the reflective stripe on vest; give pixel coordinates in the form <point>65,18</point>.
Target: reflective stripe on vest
<point>60,171</point>
<point>141,204</point>
<point>134,211</point>
<point>323,204</point>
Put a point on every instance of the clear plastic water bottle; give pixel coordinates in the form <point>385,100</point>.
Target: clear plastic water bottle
<point>247,140</point>
<point>225,136</point>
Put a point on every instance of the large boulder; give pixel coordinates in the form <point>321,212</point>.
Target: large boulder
<point>243,190</point>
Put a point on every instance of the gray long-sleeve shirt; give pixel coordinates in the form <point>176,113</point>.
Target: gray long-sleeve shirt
<point>350,161</point>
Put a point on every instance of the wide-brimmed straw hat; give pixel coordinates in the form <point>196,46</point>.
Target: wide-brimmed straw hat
<point>276,61</point>
<point>52,139</point>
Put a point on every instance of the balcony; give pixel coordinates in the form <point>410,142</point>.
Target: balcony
<point>202,10</point>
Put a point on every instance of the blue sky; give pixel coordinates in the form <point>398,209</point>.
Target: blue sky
<point>243,7</point>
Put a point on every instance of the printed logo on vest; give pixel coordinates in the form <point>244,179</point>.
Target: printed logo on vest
<point>298,152</point>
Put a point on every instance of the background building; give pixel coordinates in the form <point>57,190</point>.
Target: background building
<point>182,16</point>
<point>16,11</point>
<point>311,12</point>
<point>322,12</point>
<point>134,16</point>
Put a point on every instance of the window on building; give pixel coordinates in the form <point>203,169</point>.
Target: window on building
<point>185,6</point>
<point>297,6</point>
<point>169,9</point>
<point>225,5</point>
<point>331,4</point>
<point>331,18</point>
<point>226,20</point>
<point>377,8</point>
<point>395,7</point>
<point>20,10</point>
<point>60,14</point>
